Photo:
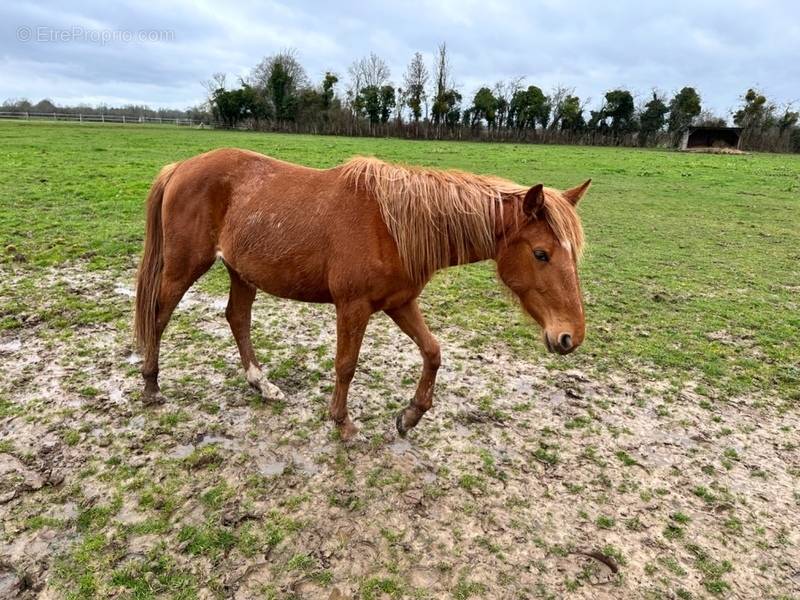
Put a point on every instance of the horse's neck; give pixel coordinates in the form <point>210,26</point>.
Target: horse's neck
<point>506,222</point>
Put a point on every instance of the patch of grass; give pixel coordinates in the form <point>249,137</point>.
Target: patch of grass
<point>711,570</point>
<point>97,517</point>
<point>71,437</point>
<point>578,422</point>
<point>466,589</point>
<point>7,408</point>
<point>39,522</point>
<point>170,420</point>
<point>216,496</point>
<point>707,495</point>
<point>673,566</point>
<point>276,527</point>
<point>615,553</point>
<point>300,562</point>
<point>605,522</point>
<point>472,483</point>
<point>208,540</point>
<point>680,517</point>
<point>634,524</point>
<point>626,459</point>
<point>207,456</point>
<point>733,526</point>
<point>673,531</point>
<point>730,454</point>
<point>76,573</point>
<point>546,453</point>
<point>157,576</point>
<point>377,587</point>
<point>490,466</point>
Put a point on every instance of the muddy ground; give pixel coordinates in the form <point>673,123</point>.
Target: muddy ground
<point>522,482</point>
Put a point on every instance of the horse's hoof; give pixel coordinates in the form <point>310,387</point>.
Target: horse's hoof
<point>269,391</point>
<point>347,431</point>
<point>400,424</point>
<point>153,399</point>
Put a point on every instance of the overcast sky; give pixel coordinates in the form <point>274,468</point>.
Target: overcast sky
<point>57,50</point>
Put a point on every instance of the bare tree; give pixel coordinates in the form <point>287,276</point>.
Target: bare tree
<point>370,70</point>
<point>504,91</point>
<point>442,82</point>
<point>415,80</point>
<point>288,62</point>
<point>441,71</point>
<point>217,82</point>
<point>376,71</point>
<point>355,84</point>
<point>557,97</point>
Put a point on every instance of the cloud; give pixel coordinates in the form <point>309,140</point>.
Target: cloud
<point>722,48</point>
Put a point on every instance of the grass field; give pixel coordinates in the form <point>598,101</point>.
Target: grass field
<point>668,443</point>
<point>692,266</point>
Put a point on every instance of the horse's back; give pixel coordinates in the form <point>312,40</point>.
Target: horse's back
<point>290,230</point>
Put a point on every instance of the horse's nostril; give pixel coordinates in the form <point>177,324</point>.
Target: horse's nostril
<point>565,341</point>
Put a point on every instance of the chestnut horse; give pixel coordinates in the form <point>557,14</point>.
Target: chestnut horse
<point>366,236</point>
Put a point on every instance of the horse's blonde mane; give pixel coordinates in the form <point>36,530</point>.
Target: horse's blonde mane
<point>432,213</point>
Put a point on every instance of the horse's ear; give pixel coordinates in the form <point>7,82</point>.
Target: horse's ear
<point>574,195</point>
<point>534,200</point>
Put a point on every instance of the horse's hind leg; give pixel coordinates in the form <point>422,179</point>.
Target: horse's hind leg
<point>174,284</point>
<point>238,312</point>
<point>409,318</point>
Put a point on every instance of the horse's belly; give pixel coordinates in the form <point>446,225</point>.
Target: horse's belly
<point>295,289</point>
<point>284,279</point>
<point>277,255</point>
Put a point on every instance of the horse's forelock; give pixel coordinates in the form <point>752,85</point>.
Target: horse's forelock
<point>564,221</point>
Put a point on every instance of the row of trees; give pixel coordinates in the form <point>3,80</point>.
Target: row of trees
<point>278,95</point>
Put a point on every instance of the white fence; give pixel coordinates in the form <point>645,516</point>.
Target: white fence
<point>94,118</point>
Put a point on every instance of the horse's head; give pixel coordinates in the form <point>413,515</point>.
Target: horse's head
<point>538,259</point>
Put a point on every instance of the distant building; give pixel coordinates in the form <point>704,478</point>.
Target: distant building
<point>711,137</point>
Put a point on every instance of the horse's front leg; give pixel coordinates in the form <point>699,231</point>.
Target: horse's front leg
<point>351,321</point>
<point>409,318</point>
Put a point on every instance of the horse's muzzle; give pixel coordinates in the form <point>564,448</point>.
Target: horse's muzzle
<point>563,344</point>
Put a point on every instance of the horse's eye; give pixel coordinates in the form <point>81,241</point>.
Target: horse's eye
<point>541,255</point>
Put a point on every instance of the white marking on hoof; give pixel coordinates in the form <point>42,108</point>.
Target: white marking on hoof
<point>268,390</point>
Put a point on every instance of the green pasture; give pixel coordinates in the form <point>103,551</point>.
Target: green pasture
<point>692,271</point>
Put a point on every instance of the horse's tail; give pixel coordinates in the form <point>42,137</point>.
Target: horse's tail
<point>148,279</point>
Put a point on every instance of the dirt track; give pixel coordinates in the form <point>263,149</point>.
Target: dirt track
<point>521,482</point>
